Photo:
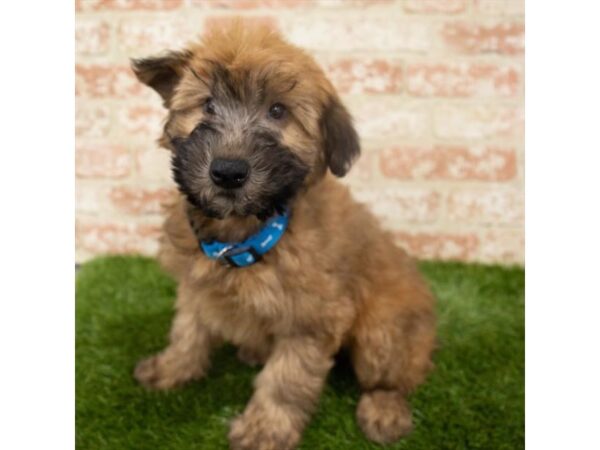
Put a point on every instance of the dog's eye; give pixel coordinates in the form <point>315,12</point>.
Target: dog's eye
<point>276,111</point>
<point>209,106</point>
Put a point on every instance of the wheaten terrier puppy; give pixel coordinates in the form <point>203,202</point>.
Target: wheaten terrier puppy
<point>271,252</point>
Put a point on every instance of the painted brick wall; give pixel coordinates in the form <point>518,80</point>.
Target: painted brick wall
<point>435,86</point>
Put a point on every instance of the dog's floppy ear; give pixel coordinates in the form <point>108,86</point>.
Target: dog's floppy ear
<point>161,73</point>
<point>340,140</point>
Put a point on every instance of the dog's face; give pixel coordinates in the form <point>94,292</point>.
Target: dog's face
<point>252,120</point>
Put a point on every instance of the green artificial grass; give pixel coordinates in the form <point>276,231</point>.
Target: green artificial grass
<point>473,400</point>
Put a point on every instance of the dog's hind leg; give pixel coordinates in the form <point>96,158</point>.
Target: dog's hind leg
<point>391,353</point>
<point>187,355</point>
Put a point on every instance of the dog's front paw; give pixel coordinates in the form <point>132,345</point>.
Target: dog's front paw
<point>151,374</point>
<point>263,427</point>
<point>162,372</point>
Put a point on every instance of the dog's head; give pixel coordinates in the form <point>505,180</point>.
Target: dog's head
<point>252,119</point>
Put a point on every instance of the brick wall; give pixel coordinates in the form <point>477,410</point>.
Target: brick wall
<point>435,86</point>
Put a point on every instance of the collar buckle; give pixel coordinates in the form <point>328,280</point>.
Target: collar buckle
<point>223,252</point>
<point>251,256</point>
<point>221,257</point>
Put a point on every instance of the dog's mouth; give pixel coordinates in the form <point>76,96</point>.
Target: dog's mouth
<point>222,204</point>
<point>226,204</point>
<point>261,203</point>
<point>227,195</point>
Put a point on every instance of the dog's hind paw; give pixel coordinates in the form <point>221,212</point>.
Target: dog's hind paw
<point>384,416</point>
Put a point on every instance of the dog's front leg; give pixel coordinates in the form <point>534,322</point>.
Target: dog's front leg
<point>187,355</point>
<point>286,393</point>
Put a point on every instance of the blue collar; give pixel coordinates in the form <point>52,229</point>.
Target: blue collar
<point>246,253</point>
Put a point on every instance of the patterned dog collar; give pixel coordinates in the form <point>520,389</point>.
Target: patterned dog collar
<point>246,253</point>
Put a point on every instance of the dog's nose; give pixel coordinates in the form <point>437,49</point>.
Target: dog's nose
<point>229,173</point>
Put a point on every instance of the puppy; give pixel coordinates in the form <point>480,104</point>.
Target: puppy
<point>271,252</point>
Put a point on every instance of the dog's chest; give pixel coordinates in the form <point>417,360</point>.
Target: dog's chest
<point>245,305</point>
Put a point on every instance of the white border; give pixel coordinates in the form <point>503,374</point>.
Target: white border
<point>37,236</point>
<point>563,225</point>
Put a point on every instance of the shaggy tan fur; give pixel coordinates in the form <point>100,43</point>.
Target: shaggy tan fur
<point>335,279</point>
